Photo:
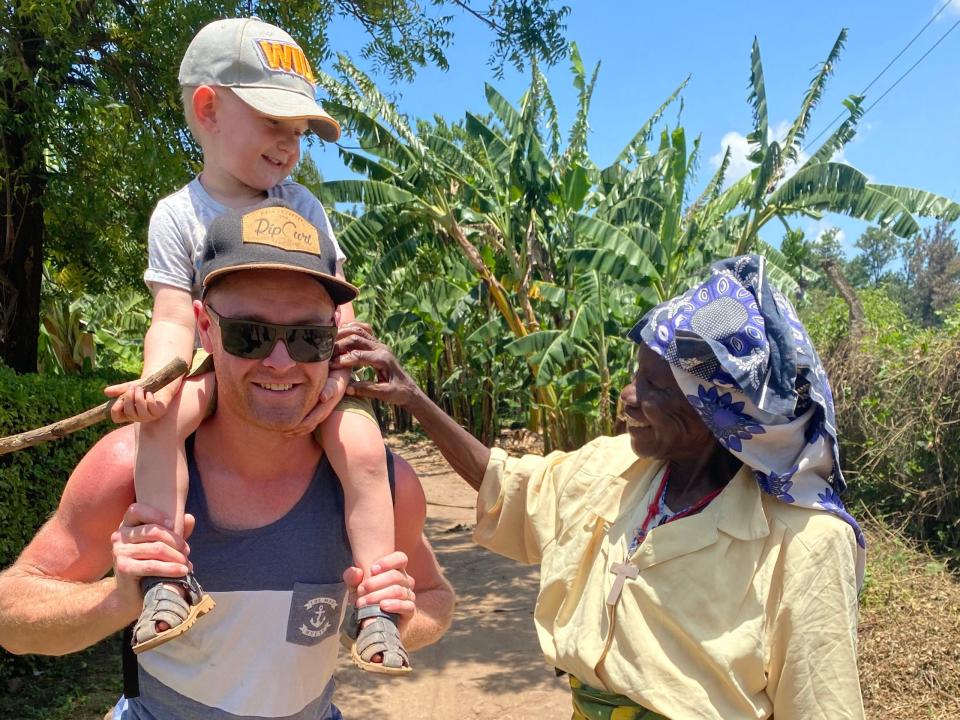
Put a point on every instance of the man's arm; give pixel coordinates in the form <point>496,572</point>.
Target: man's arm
<point>434,595</point>
<point>357,347</point>
<point>55,599</point>
<point>425,614</point>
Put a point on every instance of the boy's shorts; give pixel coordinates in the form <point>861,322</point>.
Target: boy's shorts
<point>203,363</point>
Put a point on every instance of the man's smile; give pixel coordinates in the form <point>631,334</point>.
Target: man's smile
<point>275,387</point>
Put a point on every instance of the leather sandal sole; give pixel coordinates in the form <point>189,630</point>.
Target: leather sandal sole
<point>374,667</point>
<point>205,605</point>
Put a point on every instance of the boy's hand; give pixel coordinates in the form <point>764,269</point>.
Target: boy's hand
<point>331,394</point>
<point>136,405</point>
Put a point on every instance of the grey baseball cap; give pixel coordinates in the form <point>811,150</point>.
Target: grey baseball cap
<point>263,65</point>
<point>270,236</point>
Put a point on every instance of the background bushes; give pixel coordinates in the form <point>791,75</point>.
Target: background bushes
<point>31,480</point>
<point>898,407</point>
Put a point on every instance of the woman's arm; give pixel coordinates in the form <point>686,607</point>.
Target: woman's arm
<point>356,346</point>
<point>812,672</point>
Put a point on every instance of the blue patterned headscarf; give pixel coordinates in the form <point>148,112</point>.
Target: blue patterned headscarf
<point>746,364</point>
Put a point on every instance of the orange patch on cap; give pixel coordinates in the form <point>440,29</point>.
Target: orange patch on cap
<point>285,57</point>
<point>281,228</point>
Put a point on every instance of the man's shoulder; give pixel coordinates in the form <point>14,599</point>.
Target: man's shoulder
<point>111,459</point>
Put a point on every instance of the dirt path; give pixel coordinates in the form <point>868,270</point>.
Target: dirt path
<point>489,664</point>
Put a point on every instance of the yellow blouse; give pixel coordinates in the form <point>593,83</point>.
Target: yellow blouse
<point>745,610</point>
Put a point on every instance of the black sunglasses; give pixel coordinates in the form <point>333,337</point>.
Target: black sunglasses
<point>256,340</point>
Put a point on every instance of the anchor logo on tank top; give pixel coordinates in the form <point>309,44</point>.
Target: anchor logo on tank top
<point>323,610</point>
<point>315,612</point>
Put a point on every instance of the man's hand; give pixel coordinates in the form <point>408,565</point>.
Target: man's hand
<point>145,545</point>
<point>388,585</point>
<point>136,405</point>
<point>356,347</point>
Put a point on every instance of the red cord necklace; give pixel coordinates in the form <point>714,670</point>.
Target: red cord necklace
<point>658,506</point>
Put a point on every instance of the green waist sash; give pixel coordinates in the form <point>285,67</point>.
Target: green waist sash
<point>592,704</point>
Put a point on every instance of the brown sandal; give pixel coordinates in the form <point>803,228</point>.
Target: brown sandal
<point>378,637</point>
<point>165,604</point>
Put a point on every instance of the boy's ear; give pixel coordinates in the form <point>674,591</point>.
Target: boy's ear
<point>205,105</point>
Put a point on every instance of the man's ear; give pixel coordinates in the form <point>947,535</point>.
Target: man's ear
<point>205,106</point>
<point>203,325</point>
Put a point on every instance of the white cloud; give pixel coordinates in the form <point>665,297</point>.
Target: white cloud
<point>740,149</point>
<point>952,9</point>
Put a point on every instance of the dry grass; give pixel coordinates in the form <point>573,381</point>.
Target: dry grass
<point>909,631</point>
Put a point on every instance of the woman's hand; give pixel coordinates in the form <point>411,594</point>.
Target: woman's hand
<point>358,347</point>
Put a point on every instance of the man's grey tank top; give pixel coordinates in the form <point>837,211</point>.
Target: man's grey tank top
<point>269,648</point>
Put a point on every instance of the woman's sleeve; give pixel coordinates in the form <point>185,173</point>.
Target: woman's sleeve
<point>812,674</point>
<point>517,513</point>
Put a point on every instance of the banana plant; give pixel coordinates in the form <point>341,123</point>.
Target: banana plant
<point>818,182</point>
<point>496,190</point>
<point>525,212</point>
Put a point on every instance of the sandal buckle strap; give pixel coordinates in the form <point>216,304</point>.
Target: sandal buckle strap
<point>374,611</point>
<point>189,582</point>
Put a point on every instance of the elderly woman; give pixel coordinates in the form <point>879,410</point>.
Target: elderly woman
<point>701,565</point>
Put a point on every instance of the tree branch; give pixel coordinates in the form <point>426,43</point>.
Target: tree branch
<point>479,15</point>
<point>849,295</point>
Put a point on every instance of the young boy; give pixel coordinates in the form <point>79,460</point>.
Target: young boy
<point>248,96</point>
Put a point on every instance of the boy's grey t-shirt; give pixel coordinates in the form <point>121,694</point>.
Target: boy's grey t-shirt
<point>178,228</point>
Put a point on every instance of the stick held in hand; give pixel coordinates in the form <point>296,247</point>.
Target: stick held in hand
<point>164,376</point>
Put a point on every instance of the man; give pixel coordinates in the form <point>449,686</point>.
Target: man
<point>265,513</point>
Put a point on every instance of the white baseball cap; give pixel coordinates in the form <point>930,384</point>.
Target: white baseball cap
<point>262,65</point>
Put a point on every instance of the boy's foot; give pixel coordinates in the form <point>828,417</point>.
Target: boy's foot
<point>377,647</point>
<point>171,606</point>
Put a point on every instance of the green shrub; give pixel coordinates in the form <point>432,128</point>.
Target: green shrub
<point>898,412</point>
<point>32,480</point>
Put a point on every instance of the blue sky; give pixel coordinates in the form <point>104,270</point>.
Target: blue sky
<point>647,48</point>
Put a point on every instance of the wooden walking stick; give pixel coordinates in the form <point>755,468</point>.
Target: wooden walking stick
<point>164,376</point>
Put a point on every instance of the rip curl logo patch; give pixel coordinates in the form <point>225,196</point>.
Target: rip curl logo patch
<point>285,57</point>
<point>282,228</point>
<point>315,613</point>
